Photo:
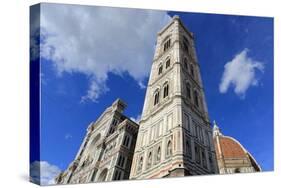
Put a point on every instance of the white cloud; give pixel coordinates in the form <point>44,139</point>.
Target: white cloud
<point>97,40</point>
<point>43,173</point>
<point>240,73</point>
<point>67,136</point>
<point>141,84</point>
<point>137,119</point>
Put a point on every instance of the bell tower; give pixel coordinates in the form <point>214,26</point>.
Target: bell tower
<point>175,136</point>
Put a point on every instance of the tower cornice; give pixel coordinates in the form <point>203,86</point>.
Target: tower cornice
<point>174,19</point>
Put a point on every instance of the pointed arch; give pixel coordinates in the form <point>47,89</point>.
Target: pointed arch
<point>156,97</point>
<point>160,69</point>
<point>166,43</point>
<point>166,89</point>
<point>169,149</point>
<point>188,90</point>
<point>168,62</point>
<point>158,155</point>
<point>140,164</point>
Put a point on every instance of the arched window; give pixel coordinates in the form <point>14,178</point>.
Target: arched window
<point>112,129</point>
<point>196,98</point>
<point>192,70</point>
<point>185,63</point>
<point>166,90</point>
<point>126,141</point>
<point>156,98</point>
<point>185,44</point>
<point>167,44</point>
<point>158,156</point>
<point>188,90</point>
<point>149,160</point>
<point>169,149</point>
<point>168,63</point>
<point>160,70</point>
<point>140,164</point>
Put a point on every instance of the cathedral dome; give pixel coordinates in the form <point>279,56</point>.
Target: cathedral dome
<point>231,155</point>
<point>231,148</point>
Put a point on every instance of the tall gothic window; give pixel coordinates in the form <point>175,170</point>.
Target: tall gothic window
<point>158,156</point>
<point>188,148</point>
<point>149,160</point>
<point>169,149</point>
<point>126,141</point>
<point>114,122</point>
<point>188,90</point>
<point>156,98</point>
<point>185,63</point>
<point>166,90</point>
<point>168,63</point>
<point>197,154</point>
<point>196,98</point>
<point>140,164</point>
<point>160,70</point>
<point>192,71</point>
<point>111,130</point>
<point>167,45</point>
<point>203,159</point>
<point>185,44</point>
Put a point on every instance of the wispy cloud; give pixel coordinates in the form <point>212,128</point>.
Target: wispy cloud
<point>43,173</point>
<point>240,73</point>
<point>141,84</point>
<point>67,136</point>
<point>97,40</point>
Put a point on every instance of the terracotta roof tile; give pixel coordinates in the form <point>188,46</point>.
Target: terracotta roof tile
<point>231,149</point>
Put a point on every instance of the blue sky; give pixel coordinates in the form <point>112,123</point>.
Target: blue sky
<point>84,68</point>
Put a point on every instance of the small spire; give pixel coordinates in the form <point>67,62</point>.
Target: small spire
<point>216,129</point>
<point>176,17</point>
<point>214,122</point>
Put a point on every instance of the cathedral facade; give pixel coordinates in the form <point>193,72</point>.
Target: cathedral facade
<point>107,150</point>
